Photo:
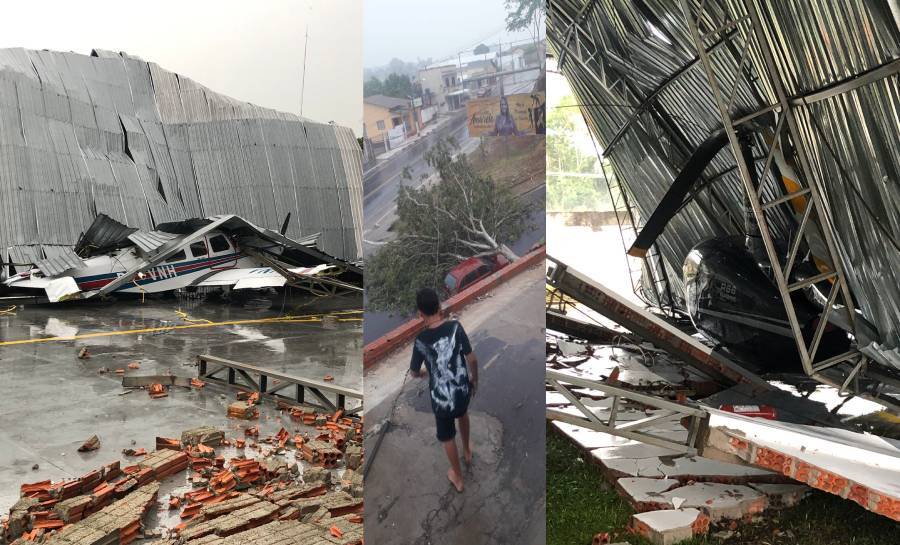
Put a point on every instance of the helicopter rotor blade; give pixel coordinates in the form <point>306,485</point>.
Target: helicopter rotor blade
<point>674,198</point>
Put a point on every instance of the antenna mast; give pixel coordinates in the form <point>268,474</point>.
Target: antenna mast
<point>303,80</point>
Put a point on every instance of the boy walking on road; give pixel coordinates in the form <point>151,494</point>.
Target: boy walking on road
<point>452,370</point>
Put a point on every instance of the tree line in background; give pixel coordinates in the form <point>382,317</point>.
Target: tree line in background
<point>574,180</point>
<point>395,85</point>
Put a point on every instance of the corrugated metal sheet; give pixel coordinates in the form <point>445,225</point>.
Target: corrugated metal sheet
<point>149,241</point>
<point>102,235</point>
<point>82,135</point>
<point>59,263</point>
<point>633,67</point>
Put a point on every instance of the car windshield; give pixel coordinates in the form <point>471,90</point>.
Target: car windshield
<point>450,282</point>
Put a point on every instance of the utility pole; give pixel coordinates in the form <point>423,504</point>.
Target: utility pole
<point>500,58</point>
<point>303,79</point>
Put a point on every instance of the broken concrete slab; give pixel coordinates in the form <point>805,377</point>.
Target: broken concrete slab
<point>589,439</point>
<point>687,468</point>
<point>670,526</point>
<point>719,501</point>
<point>646,494</point>
<point>635,451</point>
<point>555,399</point>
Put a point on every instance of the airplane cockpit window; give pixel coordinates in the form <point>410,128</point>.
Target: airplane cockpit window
<point>198,249</point>
<point>177,256</point>
<point>219,243</point>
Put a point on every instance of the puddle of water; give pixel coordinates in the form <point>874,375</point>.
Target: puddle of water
<point>251,334</point>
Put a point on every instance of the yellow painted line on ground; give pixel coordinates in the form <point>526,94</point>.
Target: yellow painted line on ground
<point>283,319</point>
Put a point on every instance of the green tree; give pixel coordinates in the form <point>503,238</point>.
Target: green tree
<point>460,215</point>
<point>398,86</point>
<point>524,14</point>
<point>574,180</point>
<point>373,87</point>
<point>481,49</point>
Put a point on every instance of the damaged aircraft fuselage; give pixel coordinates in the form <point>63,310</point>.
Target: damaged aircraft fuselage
<point>139,262</point>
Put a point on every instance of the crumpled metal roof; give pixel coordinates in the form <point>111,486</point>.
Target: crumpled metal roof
<point>102,235</point>
<point>110,133</point>
<point>634,68</point>
<point>58,260</point>
<point>149,241</point>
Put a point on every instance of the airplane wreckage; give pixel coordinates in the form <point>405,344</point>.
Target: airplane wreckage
<point>218,252</point>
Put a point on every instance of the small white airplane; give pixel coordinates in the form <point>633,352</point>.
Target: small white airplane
<point>222,251</point>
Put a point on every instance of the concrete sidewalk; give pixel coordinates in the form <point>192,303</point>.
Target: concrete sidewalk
<point>408,496</point>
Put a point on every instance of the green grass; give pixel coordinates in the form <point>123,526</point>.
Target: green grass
<point>580,503</point>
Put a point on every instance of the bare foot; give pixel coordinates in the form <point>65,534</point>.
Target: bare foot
<point>467,456</point>
<point>455,479</point>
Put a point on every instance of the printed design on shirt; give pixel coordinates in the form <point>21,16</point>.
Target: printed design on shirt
<point>447,383</point>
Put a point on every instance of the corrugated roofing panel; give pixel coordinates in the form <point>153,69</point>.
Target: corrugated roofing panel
<point>149,241</point>
<point>189,152</point>
<point>58,261</point>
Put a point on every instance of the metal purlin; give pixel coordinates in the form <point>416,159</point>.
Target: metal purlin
<point>751,27</point>
<point>654,258</point>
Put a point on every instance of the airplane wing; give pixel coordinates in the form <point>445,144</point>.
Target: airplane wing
<point>57,289</point>
<point>258,277</point>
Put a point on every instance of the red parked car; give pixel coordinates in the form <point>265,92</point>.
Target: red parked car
<point>472,270</point>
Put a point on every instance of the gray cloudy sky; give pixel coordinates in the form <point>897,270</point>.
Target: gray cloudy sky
<point>413,29</point>
<point>252,51</point>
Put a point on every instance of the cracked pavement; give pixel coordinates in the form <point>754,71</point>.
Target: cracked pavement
<point>408,497</point>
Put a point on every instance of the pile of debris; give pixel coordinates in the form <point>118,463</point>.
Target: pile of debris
<point>675,496</point>
<point>281,489</point>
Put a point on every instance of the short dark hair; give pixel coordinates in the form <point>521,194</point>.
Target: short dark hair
<point>428,302</point>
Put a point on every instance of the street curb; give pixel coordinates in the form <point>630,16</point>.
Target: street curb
<point>382,346</point>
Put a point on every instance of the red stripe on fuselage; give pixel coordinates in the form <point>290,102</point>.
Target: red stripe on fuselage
<point>191,267</point>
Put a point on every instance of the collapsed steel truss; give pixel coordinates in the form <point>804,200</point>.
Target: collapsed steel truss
<point>748,30</point>
<point>637,430</point>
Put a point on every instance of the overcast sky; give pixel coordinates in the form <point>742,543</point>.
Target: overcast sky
<point>412,29</point>
<point>251,51</point>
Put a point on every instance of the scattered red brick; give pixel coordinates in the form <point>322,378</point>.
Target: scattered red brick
<point>93,443</point>
<point>157,391</point>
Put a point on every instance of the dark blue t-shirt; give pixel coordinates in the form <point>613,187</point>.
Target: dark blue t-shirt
<point>443,349</point>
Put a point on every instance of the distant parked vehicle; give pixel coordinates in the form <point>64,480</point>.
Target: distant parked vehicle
<point>472,270</point>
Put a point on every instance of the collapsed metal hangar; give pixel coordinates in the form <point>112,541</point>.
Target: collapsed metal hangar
<point>109,133</point>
